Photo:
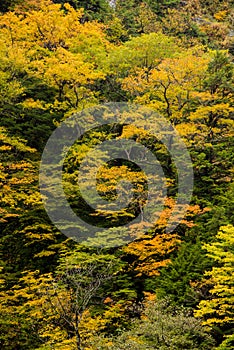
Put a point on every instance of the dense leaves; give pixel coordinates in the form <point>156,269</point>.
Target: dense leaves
<point>58,58</point>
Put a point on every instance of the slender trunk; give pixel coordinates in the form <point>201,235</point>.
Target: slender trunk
<point>78,339</point>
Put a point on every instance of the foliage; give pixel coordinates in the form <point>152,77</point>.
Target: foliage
<point>163,326</point>
<point>218,309</point>
<point>93,9</point>
<point>57,58</point>
<point>54,305</point>
<point>175,280</point>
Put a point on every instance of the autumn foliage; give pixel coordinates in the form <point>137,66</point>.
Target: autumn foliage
<point>58,58</point>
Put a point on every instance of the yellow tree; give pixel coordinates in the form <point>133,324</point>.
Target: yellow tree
<point>50,45</point>
<point>17,178</point>
<point>153,250</point>
<point>218,309</point>
<point>172,85</point>
<point>194,90</point>
<point>57,308</point>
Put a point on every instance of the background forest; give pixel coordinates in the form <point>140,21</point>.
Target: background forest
<point>163,290</point>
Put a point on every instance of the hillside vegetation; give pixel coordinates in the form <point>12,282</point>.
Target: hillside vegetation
<point>163,290</point>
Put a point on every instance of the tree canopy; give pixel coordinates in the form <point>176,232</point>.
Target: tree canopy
<point>160,289</point>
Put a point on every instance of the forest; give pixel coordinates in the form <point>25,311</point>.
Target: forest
<point>160,289</point>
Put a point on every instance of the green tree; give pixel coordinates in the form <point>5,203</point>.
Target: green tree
<point>162,327</point>
<point>160,6</point>
<point>128,11</point>
<point>93,9</point>
<point>8,5</point>
<point>176,279</point>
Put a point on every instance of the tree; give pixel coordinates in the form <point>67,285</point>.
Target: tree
<point>127,12</point>
<point>169,85</point>
<point>26,235</point>
<point>162,327</point>
<point>55,304</point>
<point>218,310</point>
<point>147,20</point>
<point>47,70</point>
<point>15,175</point>
<point>197,99</point>
<point>149,50</point>
<point>93,9</point>
<point>213,115</point>
<point>160,6</point>
<point>8,5</point>
<point>175,280</point>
